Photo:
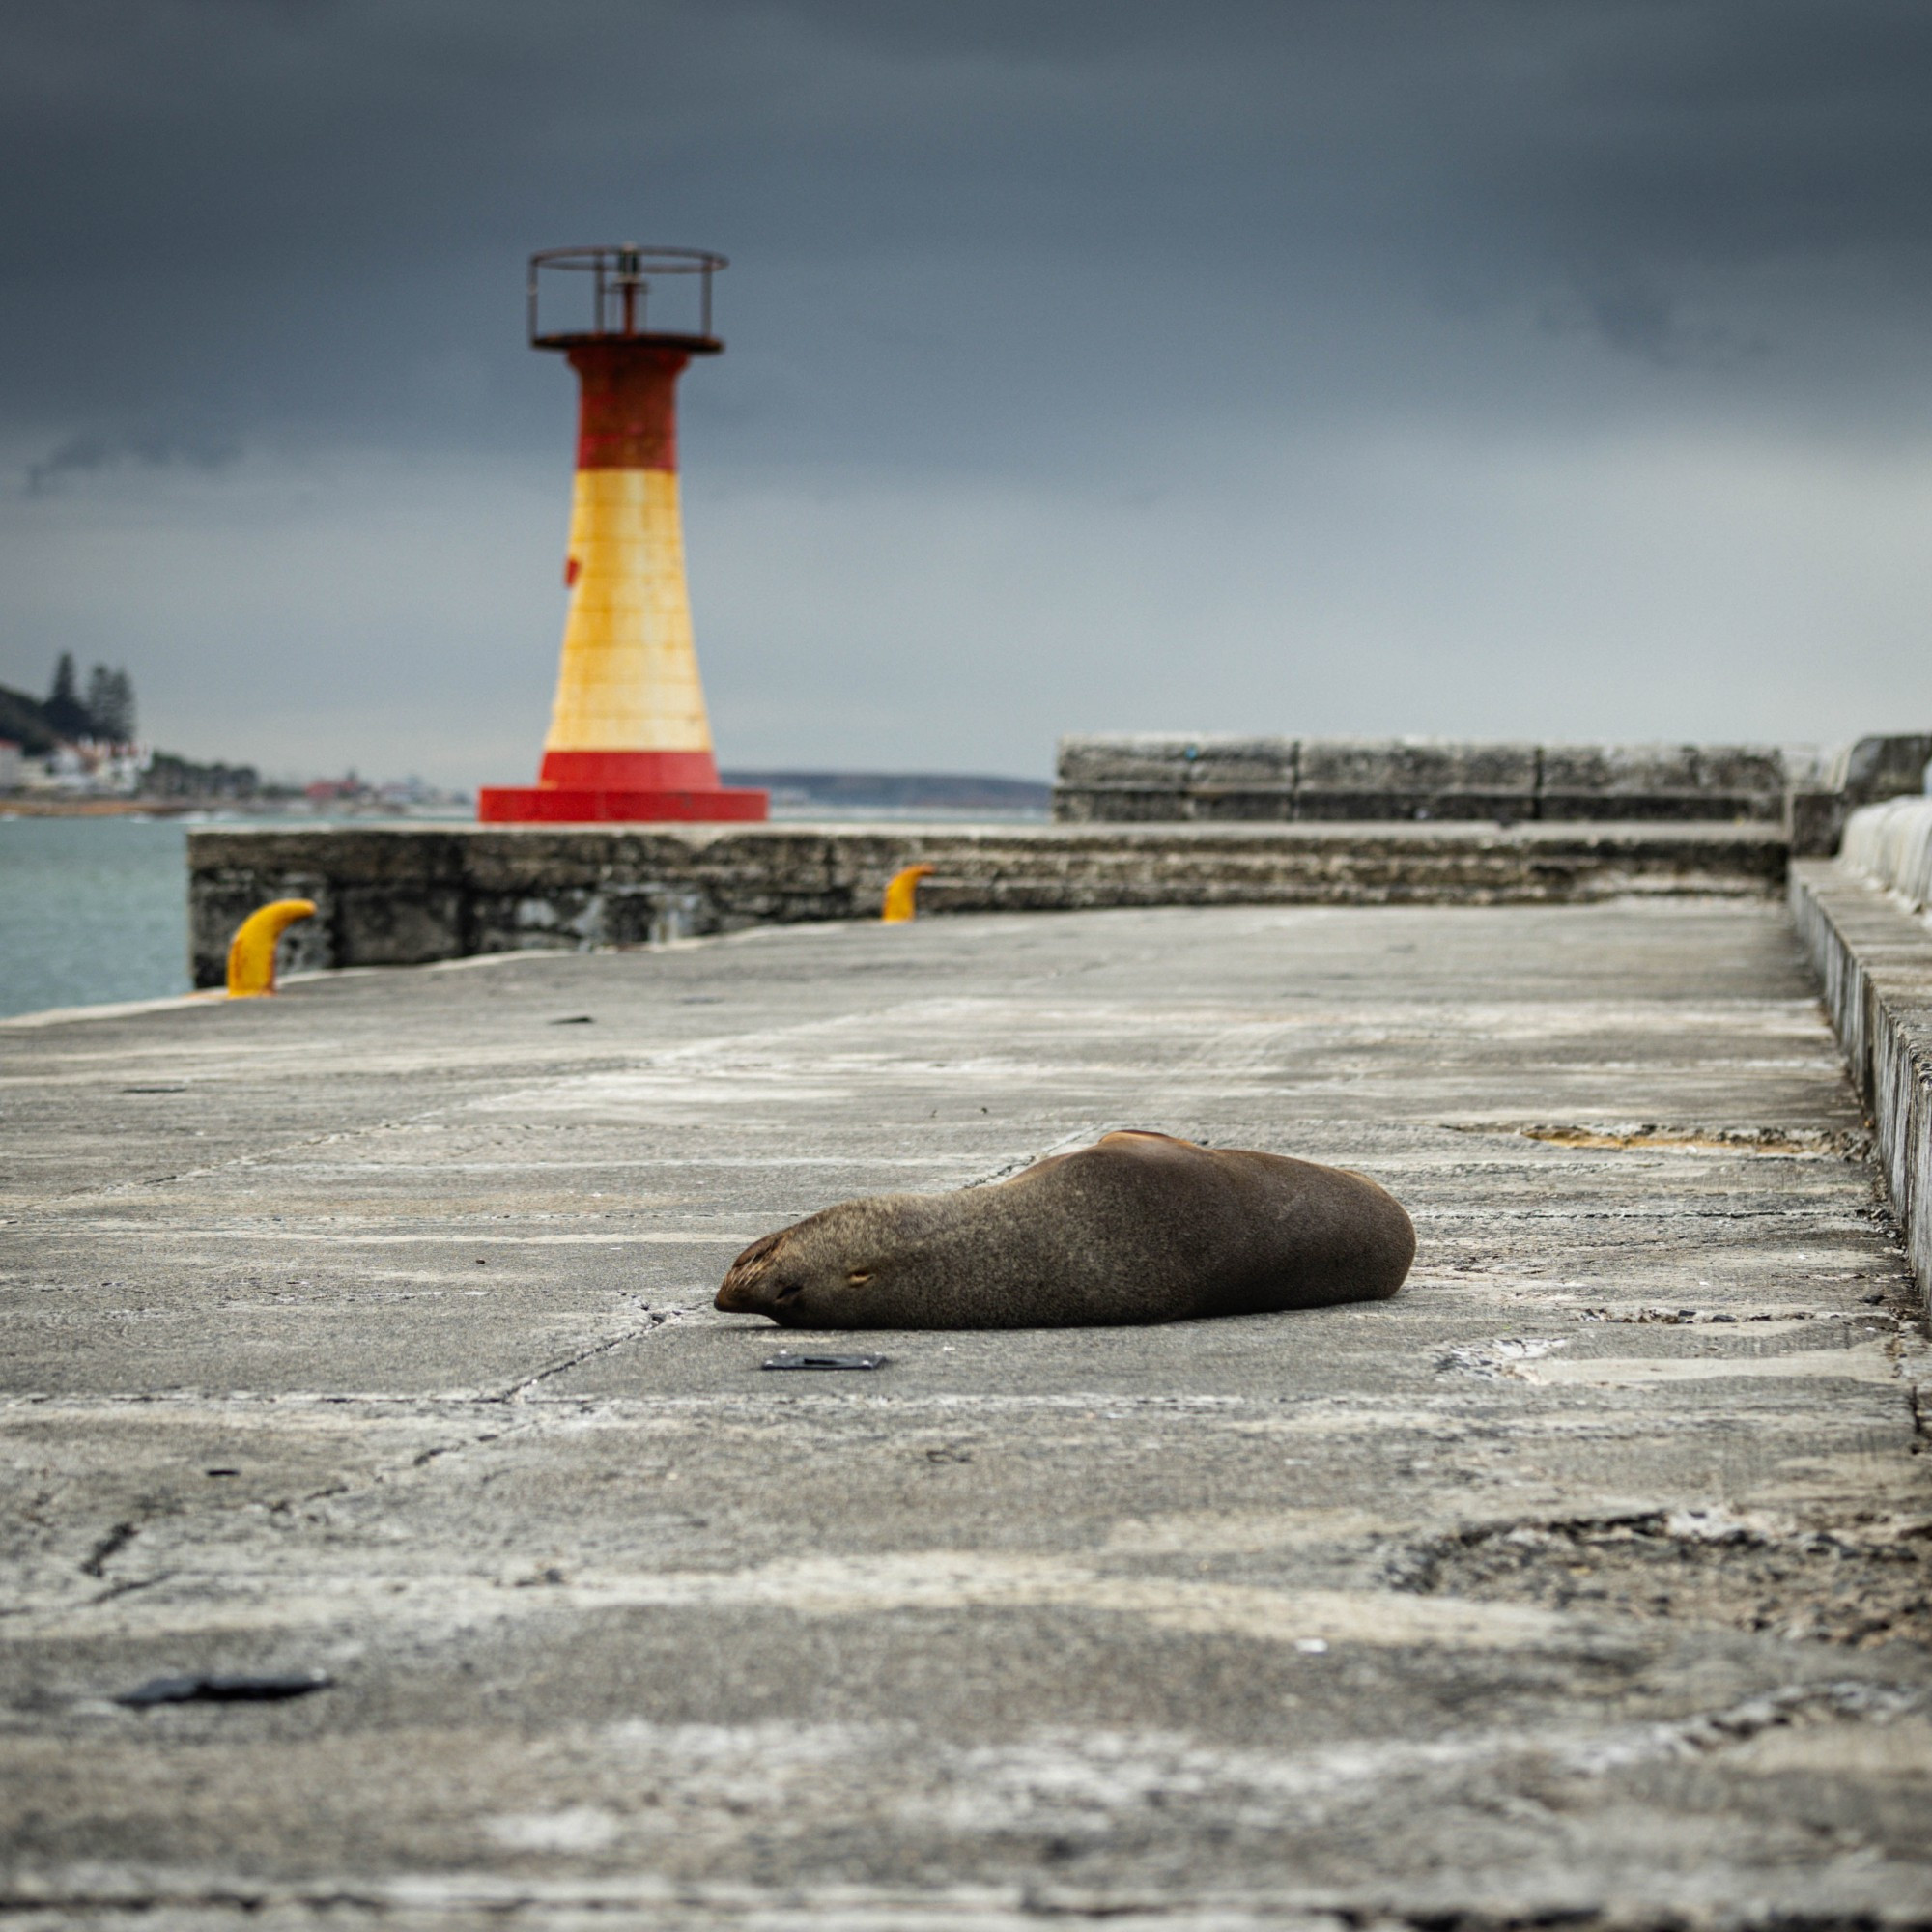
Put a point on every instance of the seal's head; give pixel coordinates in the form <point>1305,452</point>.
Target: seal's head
<point>815,1273</point>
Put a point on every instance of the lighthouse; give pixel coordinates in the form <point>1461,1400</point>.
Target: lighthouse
<point>629,735</point>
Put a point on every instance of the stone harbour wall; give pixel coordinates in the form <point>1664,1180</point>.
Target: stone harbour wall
<point>407,895</point>
<point>1172,776</point>
<point>1863,921</point>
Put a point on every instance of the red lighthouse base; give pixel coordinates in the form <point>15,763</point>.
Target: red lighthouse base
<point>619,787</point>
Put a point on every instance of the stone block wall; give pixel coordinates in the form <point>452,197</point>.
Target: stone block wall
<point>1863,919</point>
<point>1157,777</point>
<point>404,896</point>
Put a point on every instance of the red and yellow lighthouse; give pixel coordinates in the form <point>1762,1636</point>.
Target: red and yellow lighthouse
<point>629,737</point>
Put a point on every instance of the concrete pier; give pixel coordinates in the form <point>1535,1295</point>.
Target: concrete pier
<point>366,1331</point>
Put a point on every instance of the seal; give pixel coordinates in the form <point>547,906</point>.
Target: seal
<point>1140,1227</point>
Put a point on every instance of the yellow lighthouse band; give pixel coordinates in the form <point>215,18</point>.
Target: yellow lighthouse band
<point>628,676</point>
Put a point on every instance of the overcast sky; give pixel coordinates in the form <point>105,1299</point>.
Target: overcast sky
<point>1316,366</point>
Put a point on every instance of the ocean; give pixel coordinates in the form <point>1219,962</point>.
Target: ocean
<point>95,909</point>
<point>90,909</point>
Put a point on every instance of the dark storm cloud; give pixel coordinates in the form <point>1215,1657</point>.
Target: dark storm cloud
<point>157,449</point>
<point>1555,367</point>
<point>309,219</point>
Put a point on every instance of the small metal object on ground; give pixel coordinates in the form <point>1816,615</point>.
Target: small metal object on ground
<point>240,1688</point>
<point>788,1361</point>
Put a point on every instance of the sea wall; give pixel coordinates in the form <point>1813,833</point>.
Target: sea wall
<point>1155,778</point>
<point>1864,918</point>
<point>406,895</point>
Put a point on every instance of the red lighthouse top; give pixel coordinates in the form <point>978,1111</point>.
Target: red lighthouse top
<point>614,300</point>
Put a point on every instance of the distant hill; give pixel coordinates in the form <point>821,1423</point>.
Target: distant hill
<point>24,720</point>
<point>938,791</point>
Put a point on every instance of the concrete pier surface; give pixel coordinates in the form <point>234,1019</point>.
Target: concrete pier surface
<point>366,1331</point>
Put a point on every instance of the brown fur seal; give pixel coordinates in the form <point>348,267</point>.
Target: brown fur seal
<point>1139,1227</point>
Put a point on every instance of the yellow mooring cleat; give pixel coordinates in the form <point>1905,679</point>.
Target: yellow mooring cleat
<point>251,959</point>
<point>901,901</point>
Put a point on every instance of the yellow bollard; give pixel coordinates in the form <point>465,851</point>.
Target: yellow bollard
<point>251,959</point>
<point>901,895</point>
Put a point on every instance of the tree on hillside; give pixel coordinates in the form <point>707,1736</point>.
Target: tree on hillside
<point>110,704</point>
<point>65,713</point>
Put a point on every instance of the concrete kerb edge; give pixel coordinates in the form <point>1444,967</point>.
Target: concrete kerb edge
<point>1874,964</point>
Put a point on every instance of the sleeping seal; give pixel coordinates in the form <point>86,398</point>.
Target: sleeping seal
<point>1139,1227</point>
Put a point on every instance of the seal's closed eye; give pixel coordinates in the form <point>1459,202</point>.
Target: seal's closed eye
<point>790,1291</point>
<point>859,1277</point>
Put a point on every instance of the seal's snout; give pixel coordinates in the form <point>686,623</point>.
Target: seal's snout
<point>747,1288</point>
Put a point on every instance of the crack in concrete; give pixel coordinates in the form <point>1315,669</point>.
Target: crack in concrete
<point>451,1896</point>
<point>127,1590</point>
<point>1855,1585</point>
<point>1078,1138</point>
<point>1665,1315</point>
<point>109,1547</point>
<point>256,1157</point>
<point>657,1317</point>
<point>262,1156</point>
<point>1842,1697</point>
<point>1841,1143</point>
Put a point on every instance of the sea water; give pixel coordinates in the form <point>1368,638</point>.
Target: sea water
<point>90,909</point>
<point>95,909</point>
